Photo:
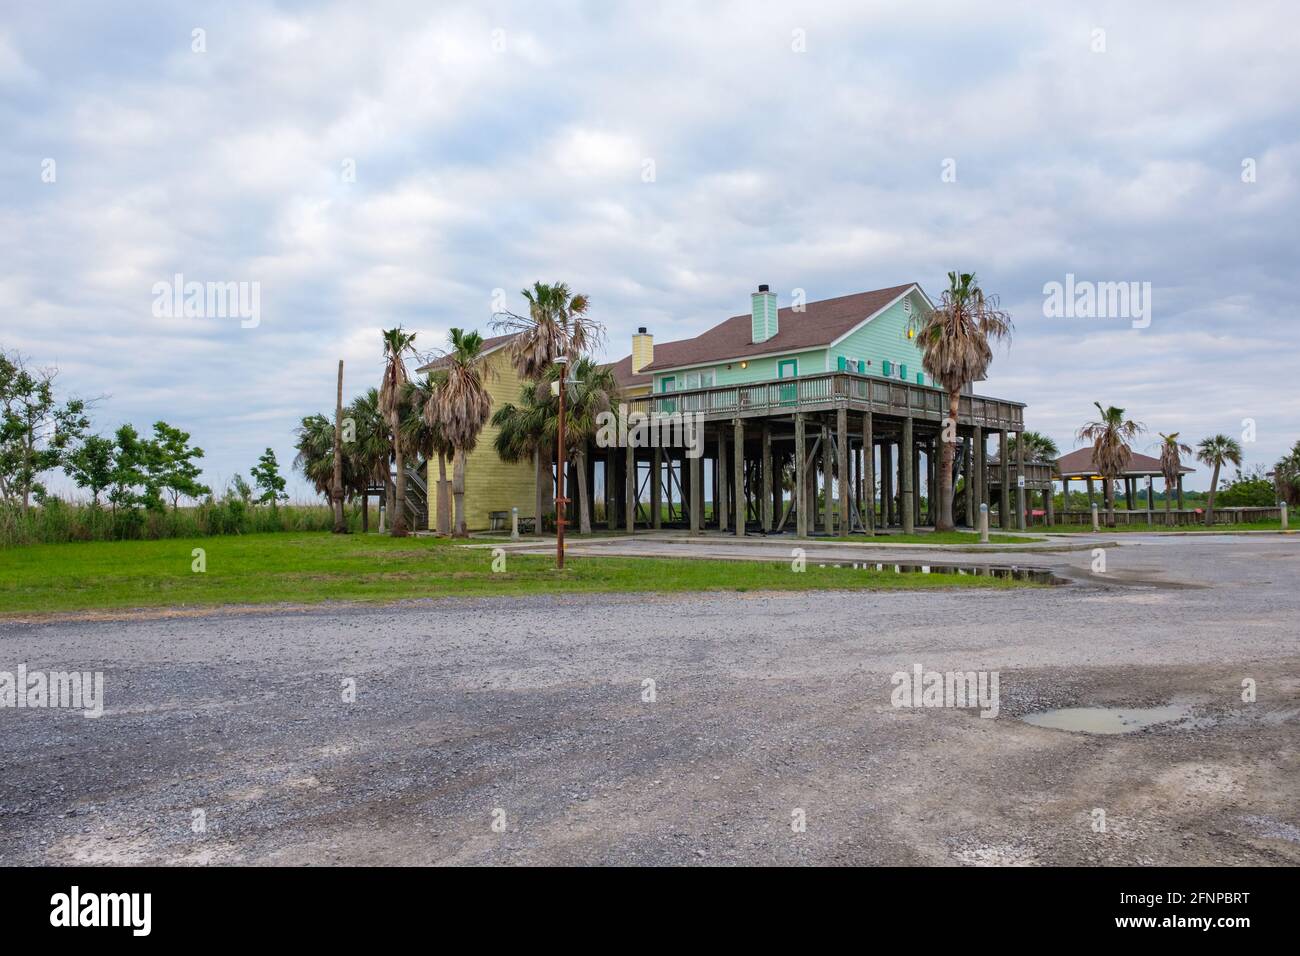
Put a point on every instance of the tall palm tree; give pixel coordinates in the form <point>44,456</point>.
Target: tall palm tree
<point>397,342</point>
<point>463,407</point>
<point>423,433</point>
<point>954,342</point>
<point>1110,436</point>
<point>1217,451</point>
<point>526,430</point>
<point>591,394</point>
<point>1171,463</point>
<point>556,324</point>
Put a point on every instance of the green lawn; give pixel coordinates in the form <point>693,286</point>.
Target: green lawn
<point>301,568</point>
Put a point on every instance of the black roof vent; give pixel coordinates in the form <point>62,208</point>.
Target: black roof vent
<point>763,287</point>
<point>641,330</point>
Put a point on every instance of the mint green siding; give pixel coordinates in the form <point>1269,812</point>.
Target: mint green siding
<point>882,339</point>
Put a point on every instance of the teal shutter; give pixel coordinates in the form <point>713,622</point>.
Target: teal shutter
<point>843,363</point>
<point>862,366</point>
<point>886,368</point>
<point>920,378</point>
<point>902,371</point>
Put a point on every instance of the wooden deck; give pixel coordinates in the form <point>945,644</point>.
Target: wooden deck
<point>828,391</point>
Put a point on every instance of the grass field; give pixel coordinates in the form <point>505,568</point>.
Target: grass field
<point>313,567</point>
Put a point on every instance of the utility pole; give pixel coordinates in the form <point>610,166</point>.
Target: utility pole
<point>340,523</point>
<point>560,460</point>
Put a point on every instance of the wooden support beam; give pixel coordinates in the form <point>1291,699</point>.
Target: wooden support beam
<point>611,498</point>
<point>905,453</point>
<point>800,485</point>
<point>842,461</point>
<point>886,483</point>
<point>828,497</point>
<point>765,461</point>
<point>869,470</point>
<point>1021,517</point>
<point>720,480</point>
<point>697,496</point>
<point>656,489</point>
<point>630,490</point>
<point>1004,506</point>
<point>742,503</point>
<point>967,454</point>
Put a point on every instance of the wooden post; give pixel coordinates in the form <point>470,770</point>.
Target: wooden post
<point>979,451</point>
<point>1004,506</point>
<point>697,496</point>
<point>916,485</point>
<point>967,457</point>
<point>765,462</point>
<point>630,490</point>
<point>720,480</point>
<point>828,497</point>
<point>1050,504</point>
<point>1180,492</point>
<point>336,488</point>
<point>1150,520</point>
<point>656,489</point>
<point>742,502</point>
<point>611,492</point>
<point>1021,517</point>
<point>1130,493</point>
<point>800,486</point>
<point>842,460</point>
<point>869,471</point>
<point>886,483</point>
<point>908,493</point>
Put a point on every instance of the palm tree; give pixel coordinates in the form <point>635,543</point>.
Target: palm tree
<point>1171,463</point>
<point>556,324</point>
<point>397,342</point>
<point>463,407</point>
<point>591,394</point>
<point>315,453</point>
<point>954,342</point>
<point>1286,475</point>
<point>1110,436</point>
<point>1217,451</point>
<point>423,434</point>
<point>525,431</point>
<point>368,452</point>
<point>1038,447</point>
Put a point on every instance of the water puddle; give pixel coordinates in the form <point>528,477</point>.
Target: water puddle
<point>1011,573</point>
<point>1107,720</point>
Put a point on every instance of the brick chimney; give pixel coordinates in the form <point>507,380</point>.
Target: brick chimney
<point>643,350</point>
<point>762,314</point>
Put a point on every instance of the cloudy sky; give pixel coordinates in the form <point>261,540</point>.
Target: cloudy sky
<point>384,163</point>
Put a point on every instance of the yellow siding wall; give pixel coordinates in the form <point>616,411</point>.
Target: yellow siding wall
<point>490,483</point>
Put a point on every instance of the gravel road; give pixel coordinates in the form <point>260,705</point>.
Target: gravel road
<point>519,730</point>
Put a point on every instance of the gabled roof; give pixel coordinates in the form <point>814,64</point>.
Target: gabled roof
<point>1078,463</point>
<point>820,324</point>
<point>489,345</point>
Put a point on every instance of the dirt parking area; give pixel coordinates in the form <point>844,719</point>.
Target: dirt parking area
<point>717,729</point>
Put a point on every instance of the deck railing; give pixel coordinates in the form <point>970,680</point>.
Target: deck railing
<point>826,390</point>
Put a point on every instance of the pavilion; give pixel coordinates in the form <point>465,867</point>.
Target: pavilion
<point>1078,464</point>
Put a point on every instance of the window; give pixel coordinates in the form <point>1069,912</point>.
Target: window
<point>702,379</point>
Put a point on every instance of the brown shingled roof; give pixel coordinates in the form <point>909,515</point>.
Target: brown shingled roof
<point>623,375</point>
<point>816,327</point>
<point>1079,462</point>
<point>489,345</point>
